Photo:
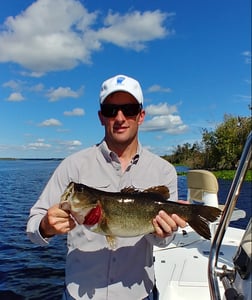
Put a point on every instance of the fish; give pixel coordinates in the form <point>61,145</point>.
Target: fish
<point>130,212</point>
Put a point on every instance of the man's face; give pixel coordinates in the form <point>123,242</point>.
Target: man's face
<point>120,128</point>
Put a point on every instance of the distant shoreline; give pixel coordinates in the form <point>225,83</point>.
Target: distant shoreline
<point>221,174</point>
<point>13,158</point>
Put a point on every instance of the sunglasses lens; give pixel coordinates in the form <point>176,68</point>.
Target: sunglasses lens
<point>111,110</point>
<point>108,111</point>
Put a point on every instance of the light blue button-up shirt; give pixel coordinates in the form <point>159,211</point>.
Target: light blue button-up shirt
<point>93,270</point>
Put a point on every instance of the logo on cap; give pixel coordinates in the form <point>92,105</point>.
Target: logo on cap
<point>120,80</point>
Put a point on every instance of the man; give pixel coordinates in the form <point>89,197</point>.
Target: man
<point>93,270</point>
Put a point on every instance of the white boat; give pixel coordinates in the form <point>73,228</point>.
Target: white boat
<point>194,268</point>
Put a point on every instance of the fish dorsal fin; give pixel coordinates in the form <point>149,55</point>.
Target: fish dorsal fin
<point>160,189</point>
<point>130,190</point>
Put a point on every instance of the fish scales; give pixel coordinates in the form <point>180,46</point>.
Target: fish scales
<point>130,212</point>
<point>127,217</point>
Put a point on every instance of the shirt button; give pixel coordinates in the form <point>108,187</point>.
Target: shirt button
<point>114,259</point>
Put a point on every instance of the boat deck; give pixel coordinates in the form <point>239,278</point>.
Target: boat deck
<point>181,267</point>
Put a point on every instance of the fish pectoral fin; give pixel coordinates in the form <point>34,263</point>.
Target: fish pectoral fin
<point>111,241</point>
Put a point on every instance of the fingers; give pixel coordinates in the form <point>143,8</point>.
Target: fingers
<point>56,221</point>
<point>165,224</point>
<point>183,201</point>
<point>180,222</point>
<point>63,225</point>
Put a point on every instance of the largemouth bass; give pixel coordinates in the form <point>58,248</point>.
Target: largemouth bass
<point>130,212</point>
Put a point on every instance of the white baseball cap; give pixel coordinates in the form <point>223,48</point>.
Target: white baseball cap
<point>121,83</point>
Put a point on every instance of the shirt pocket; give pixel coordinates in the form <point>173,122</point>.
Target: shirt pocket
<point>96,183</point>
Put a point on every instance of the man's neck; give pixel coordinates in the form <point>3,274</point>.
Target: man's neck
<point>125,153</point>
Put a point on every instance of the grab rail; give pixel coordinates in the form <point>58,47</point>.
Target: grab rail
<point>213,270</point>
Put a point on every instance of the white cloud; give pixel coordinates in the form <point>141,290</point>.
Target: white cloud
<point>163,119</point>
<point>75,112</point>
<point>169,124</point>
<point>50,122</point>
<point>18,85</point>
<point>15,97</point>
<point>37,146</point>
<point>62,92</point>
<point>40,140</point>
<point>134,29</point>
<point>37,88</point>
<point>160,109</point>
<point>32,74</point>
<point>47,36</point>
<point>157,88</point>
<point>13,84</point>
<point>73,143</point>
<point>61,34</point>
<point>160,150</point>
<point>247,55</point>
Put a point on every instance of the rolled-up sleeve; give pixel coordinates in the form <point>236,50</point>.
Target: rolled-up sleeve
<point>33,232</point>
<point>49,197</point>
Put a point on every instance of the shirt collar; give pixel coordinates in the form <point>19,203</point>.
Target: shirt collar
<point>111,156</point>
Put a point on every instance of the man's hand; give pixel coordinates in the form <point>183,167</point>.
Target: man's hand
<point>56,221</point>
<point>165,224</point>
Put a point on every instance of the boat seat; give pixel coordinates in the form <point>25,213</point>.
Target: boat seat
<point>202,188</point>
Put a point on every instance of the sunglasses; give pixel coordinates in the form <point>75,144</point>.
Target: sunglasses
<point>129,110</point>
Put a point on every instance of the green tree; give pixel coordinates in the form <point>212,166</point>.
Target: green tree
<point>219,149</point>
<point>223,146</point>
<point>187,154</point>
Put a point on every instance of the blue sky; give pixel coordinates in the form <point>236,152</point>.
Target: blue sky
<point>192,58</point>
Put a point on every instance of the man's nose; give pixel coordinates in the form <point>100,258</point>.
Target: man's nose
<point>120,115</point>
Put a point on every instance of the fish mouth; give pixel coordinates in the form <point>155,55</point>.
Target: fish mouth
<point>80,216</point>
<point>88,216</point>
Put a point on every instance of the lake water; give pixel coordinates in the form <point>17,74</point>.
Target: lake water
<point>28,271</point>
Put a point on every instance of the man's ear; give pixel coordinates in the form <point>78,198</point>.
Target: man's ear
<point>141,117</point>
<point>101,118</point>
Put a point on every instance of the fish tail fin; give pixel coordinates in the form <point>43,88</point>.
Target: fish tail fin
<point>200,225</point>
<point>201,216</point>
